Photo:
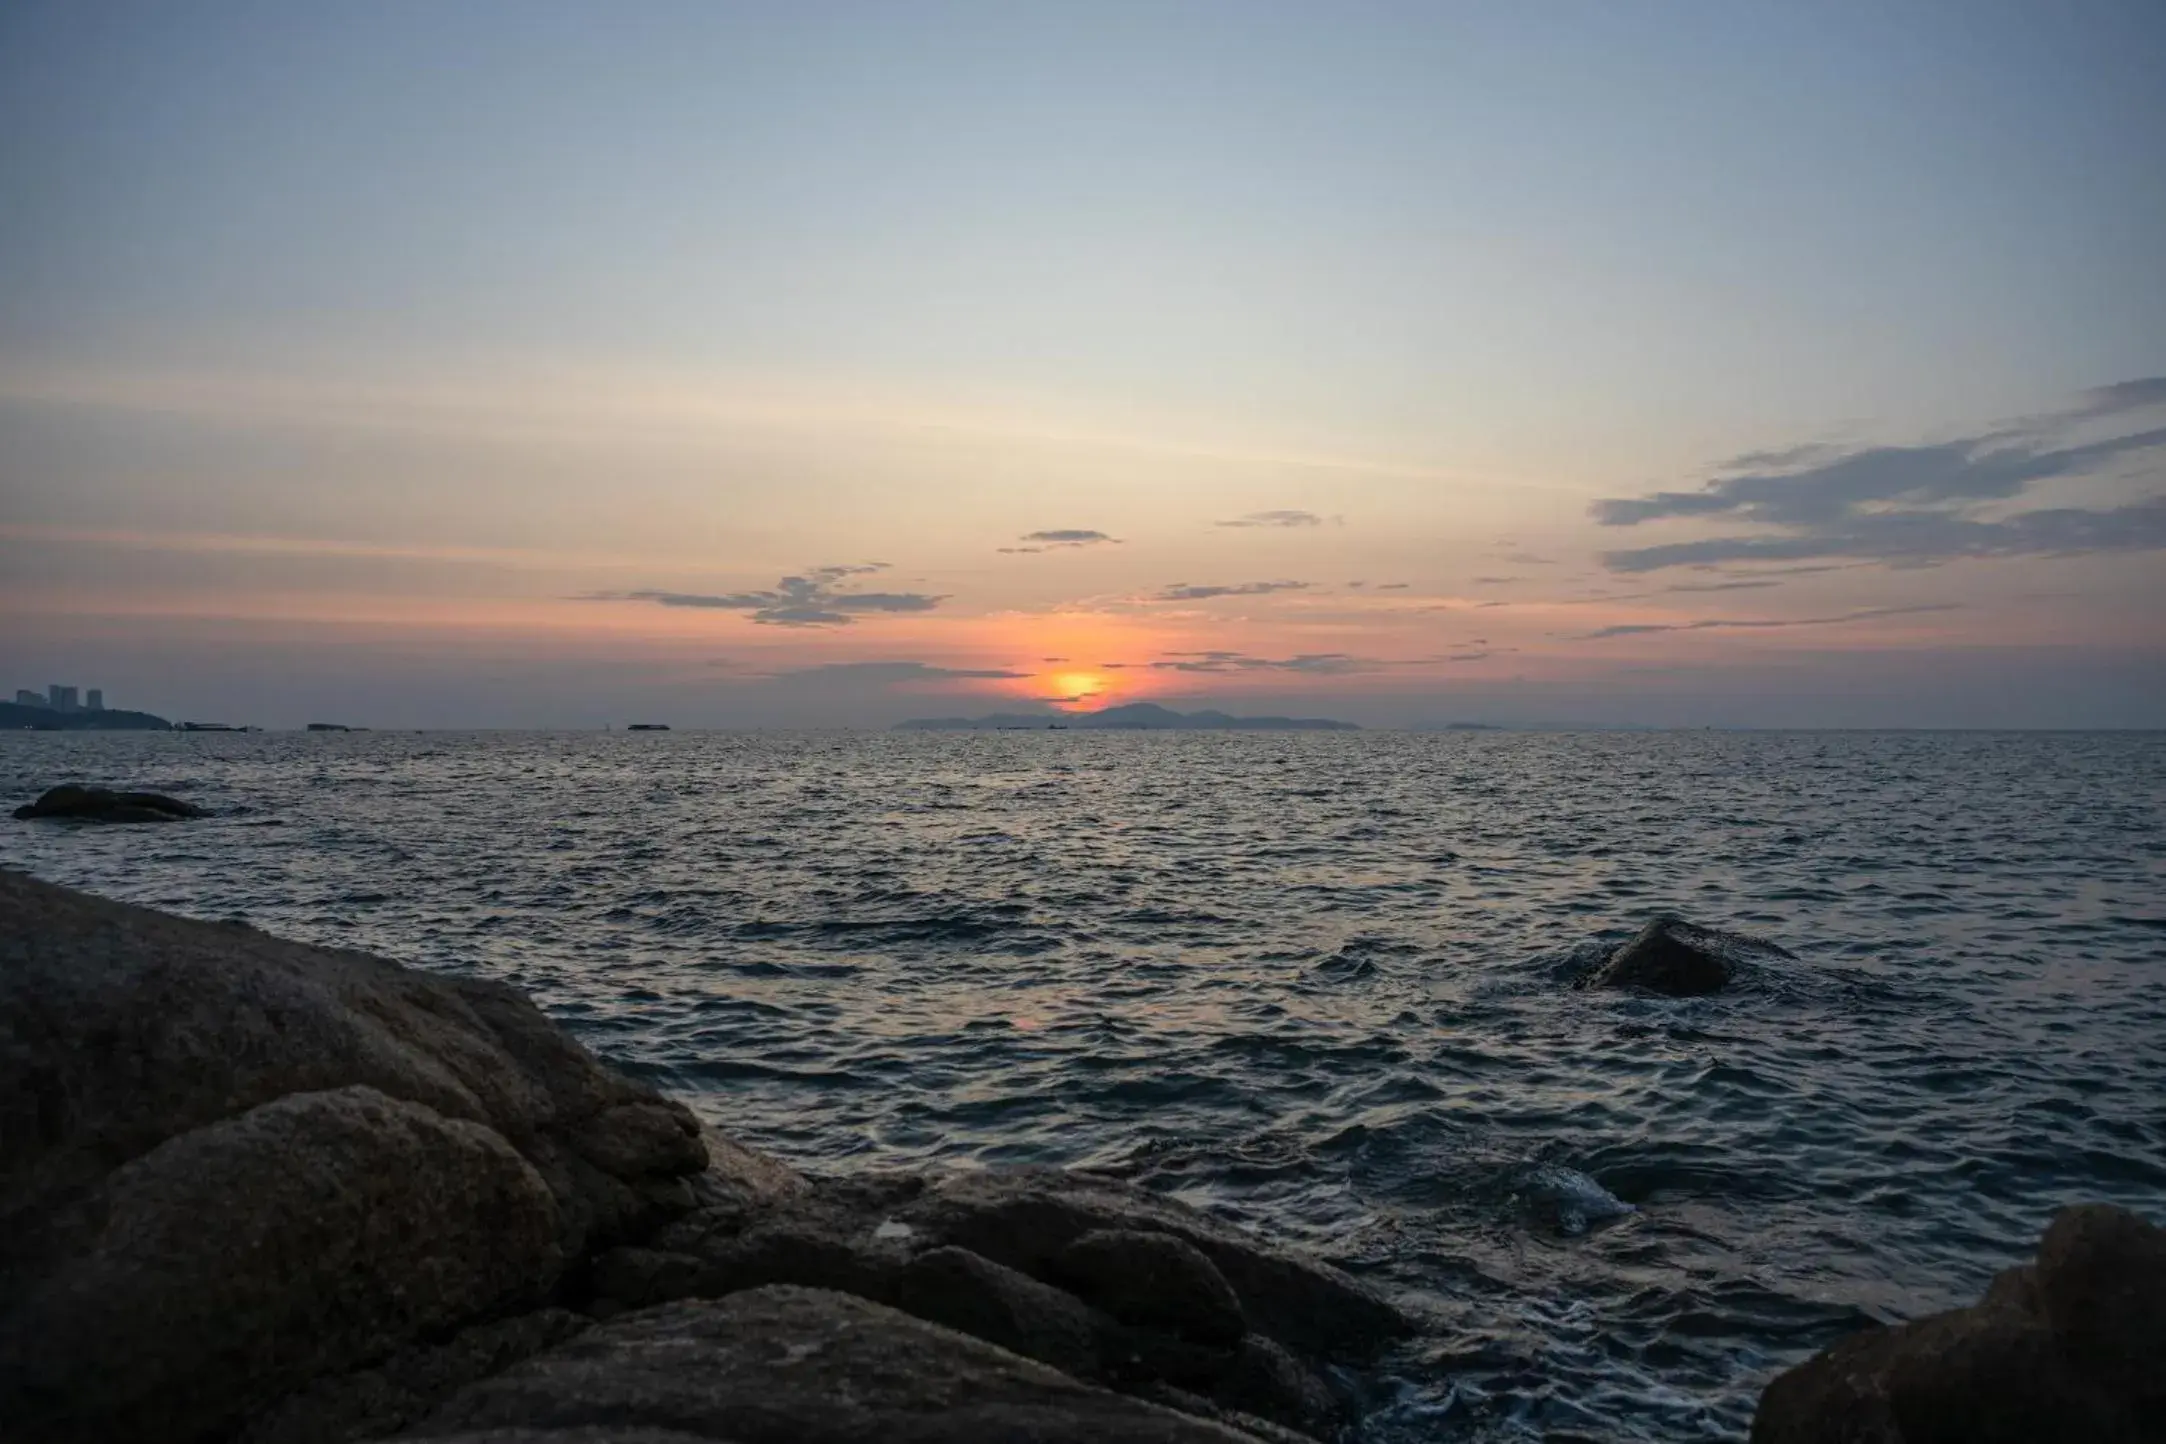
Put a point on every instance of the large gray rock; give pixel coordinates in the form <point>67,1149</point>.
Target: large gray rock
<point>1026,1217</point>
<point>69,802</point>
<point>230,1165</point>
<point>785,1365</point>
<point>2071,1348</point>
<point>247,1257</point>
<point>121,1028</point>
<point>1672,956</point>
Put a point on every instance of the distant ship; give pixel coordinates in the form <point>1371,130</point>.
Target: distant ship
<point>648,727</point>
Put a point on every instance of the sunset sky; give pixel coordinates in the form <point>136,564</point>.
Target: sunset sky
<point>568,364</point>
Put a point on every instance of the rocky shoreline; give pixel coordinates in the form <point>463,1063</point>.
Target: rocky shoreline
<point>258,1191</point>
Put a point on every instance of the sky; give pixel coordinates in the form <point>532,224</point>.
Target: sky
<point>449,363</point>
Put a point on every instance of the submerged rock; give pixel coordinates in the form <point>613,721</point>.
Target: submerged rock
<point>2070,1348</point>
<point>1672,956</point>
<point>103,804</point>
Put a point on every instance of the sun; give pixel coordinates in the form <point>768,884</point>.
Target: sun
<point>1078,685</point>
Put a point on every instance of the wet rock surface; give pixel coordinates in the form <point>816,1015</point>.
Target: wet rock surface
<point>2071,1347</point>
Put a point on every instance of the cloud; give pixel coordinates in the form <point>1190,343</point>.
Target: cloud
<point>1493,581</point>
<point>1321,664</point>
<point>1276,518</point>
<point>1740,586</point>
<point>1913,505</point>
<point>1924,538</point>
<point>1636,629</point>
<point>1183,592</point>
<point>1059,538</point>
<point>2123,396</point>
<point>1393,586</point>
<point>815,599</point>
<point>896,672</point>
<point>1527,559</point>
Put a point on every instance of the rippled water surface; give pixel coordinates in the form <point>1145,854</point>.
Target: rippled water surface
<point>1318,983</point>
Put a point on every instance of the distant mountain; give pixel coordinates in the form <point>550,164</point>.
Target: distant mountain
<point>14,717</point>
<point>1134,717</point>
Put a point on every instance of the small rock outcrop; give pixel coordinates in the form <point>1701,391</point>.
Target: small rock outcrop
<point>1682,959</point>
<point>102,804</point>
<point>2071,1347</point>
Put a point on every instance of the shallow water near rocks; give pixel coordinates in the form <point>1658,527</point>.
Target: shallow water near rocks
<point>1318,983</point>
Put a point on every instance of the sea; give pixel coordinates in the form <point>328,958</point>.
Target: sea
<point>1317,983</point>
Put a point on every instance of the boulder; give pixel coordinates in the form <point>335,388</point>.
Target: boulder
<point>1026,1217</point>
<point>1672,956</point>
<point>247,1257</point>
<point>786,1365</point>
<point>121,1028</point>
<point>2070,1348</point>
<point>103,804</point>
<point>1153,1280</point>
<point>242,1165</point>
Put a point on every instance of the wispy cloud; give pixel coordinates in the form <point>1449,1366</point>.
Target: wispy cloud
<point>1913,505</point>
<point>1184,592</point>
<point>1713,624</point>
<point>1059,538</point>
<point>1276,518</point>
<point>815,599</point>
<point>1323,664</point>
<point>878,672</point>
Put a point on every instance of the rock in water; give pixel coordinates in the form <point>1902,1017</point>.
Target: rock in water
<point>2070,1348</point>
<point>1672,956</point>
<point>102,804</point>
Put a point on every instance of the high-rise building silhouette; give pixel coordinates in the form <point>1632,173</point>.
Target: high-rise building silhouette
<point>94,700</point>
<point>63,698</point>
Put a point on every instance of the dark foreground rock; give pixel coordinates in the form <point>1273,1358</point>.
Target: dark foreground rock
<point>2070,1348</point>
<point>268,1193</point>
<point>783,1365</point>
<point>103,804</point>
<point>1672,956</point>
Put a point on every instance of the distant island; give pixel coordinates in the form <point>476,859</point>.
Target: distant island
<point>1134,717</point>
<point>16,717</point>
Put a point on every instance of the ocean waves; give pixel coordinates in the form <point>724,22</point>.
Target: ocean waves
<point>1317,983</point>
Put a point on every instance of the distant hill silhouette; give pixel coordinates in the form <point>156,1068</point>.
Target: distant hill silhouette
<point>1134,717</point>
<point>14,717</point>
